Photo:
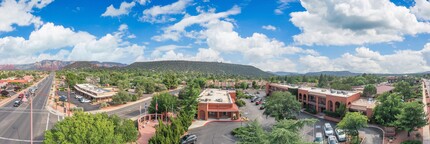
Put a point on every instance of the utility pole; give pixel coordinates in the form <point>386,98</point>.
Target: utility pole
<point>68,100</point>
<point>31,119</point>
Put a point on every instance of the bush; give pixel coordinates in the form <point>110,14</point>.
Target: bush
<point>311,110</point>
<point>331,114</point>
<point>412,142</point>
<point>240,103</point>
<point>77,109</point>
<point>133,97</point>
<point>355,140</point>
<point>104,104</point>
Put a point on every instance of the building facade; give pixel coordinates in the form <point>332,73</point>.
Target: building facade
<point>217,104</point>
<point>94,93</point>
<point>322,100</point>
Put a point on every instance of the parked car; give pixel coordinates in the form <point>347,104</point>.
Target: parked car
<point>17,103</point>
<point>263,106</point>
<point>20,95</point>
<point>63,98</point>
<point>258,102</point>
<point>84,100</point>
<point>78,96</point>
<point>255,98</point>
<point>319,138</point>
<point>340,134</point>
<point>189,139</point>
<point>332,140</point>
<point>328,130</point>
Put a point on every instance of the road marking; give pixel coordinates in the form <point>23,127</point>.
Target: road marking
<point>47,122</point>
<point>20,140</point>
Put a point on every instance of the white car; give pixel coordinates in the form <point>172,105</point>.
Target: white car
<point>332,140</point>
<point>328,130</point>
<point>83,100</point>
<point>318,138</point>
<point>340,134</point>
<point>78,96</point>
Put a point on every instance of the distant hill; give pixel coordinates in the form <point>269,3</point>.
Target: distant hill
<point>285,73</point>
<point>92,64</point>
<point>58,65</point>
<point>203,67</point>
<point>333,73</point>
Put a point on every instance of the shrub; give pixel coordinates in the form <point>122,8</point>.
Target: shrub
<point>311,110</point>
<point>331,114</point>
<point>133,97</point>
<point>412,142</point>
<point>77,109</point>
<point>104,104</point>
<point>240,103</point>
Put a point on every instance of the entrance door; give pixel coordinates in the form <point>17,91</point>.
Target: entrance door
<point>202,115</point>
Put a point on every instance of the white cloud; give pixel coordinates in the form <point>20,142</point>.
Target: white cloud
<point>159,50</point>
<point>143,2</point>
<point>421,9</point>
<point>269,27</point>
<point>123,9</point>
<point>368,61</point>
<point>19,13</point>
<point>159,14</point>
<point>203,54</point>
<point>343,22</point>
<point>49,37</point>
<point>274,65</point>
<point>175,31</point>
<point>283,4</point>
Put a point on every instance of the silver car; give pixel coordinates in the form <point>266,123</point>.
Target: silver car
<point>332,140</point>
<point>328,130</point>
<point>319,138</point>
<point>340,134</point>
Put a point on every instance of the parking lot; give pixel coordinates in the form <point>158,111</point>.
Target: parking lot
<point>75,101</point>
<point>219,132</point>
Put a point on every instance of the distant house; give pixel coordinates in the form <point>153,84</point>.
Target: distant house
<point>391,79</point>
<point>28,78</point>
<point>380,89</point>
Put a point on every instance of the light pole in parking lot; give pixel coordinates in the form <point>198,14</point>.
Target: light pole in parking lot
<point>31,118</point>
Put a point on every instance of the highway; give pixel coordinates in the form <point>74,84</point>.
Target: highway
<point>15,121</point>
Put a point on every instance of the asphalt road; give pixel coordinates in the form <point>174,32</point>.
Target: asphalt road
<point>15,121</point>
<point>219,132</point>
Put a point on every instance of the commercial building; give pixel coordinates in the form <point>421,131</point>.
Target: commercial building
<point>217,104</point>
<point>322,100</point>
<point>93,92</point>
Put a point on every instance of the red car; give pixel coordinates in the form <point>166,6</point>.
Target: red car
<point>20,95</point>
<point>259,102</point>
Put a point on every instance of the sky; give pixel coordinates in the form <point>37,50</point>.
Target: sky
<point>369,36</point>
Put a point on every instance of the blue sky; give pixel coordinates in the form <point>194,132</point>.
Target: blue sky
<point>373,36</point>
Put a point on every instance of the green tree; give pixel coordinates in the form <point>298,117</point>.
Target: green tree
<point>288,131</point>
<point>165,103</point>
<point>254,85</point>
<point>91,128</point>
<point>243,85</point>
<point>282,105</point>
<point>411,117</point>
<point>404,88</point>
<point>341,110</point>
<point>369,90</point>
<point>389,106</point>
<point>252,133</point>
<point>352,122</point>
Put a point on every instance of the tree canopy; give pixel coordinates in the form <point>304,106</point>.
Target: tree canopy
<point>92,128</point>
<point>352,122</point>
<point>369,90</point>
<point>411,117</point>
<point>282,105</point>
<point>166,102</point>
<point>390,105</point>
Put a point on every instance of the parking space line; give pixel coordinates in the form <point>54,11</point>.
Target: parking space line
<point>47,122</point>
